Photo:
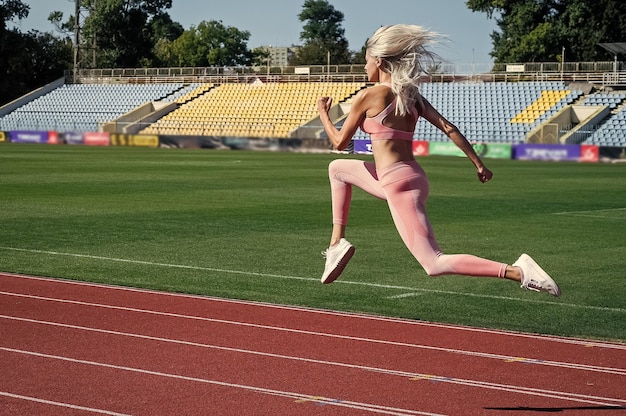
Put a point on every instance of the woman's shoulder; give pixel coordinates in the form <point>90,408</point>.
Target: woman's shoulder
<point>377,91</point>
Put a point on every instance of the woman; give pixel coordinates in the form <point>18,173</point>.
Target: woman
<point>389,112</point>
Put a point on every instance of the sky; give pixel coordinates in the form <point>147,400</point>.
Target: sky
<point>276,23</point>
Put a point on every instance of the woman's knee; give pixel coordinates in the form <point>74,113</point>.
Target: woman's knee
<point>432,270</point>
<point>334,166</point>
<point>435,265</point>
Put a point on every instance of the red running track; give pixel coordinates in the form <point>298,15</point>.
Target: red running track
<point>76,348</point>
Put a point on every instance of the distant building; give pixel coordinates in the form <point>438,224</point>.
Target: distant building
<point>280,56</point>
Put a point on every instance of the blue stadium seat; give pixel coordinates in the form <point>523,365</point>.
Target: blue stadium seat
<point>81,107</point>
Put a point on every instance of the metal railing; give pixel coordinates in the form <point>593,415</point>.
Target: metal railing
<point>605,73</point>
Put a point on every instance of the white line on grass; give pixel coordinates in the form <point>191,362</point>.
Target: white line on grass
<point>403,295</point>
<point>596,213</point>
<point>311,279</point>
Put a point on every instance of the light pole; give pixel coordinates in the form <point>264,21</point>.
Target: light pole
<point>76,38</point>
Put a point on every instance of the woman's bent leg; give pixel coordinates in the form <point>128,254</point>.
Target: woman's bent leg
<point>344,173</point>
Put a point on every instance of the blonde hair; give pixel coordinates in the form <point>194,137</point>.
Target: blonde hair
<point>402,51</point>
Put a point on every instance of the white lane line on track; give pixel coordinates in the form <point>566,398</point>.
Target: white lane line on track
<point>59,404</point>
<point>415,376</point>
<point>352,315</point>
<point>499,357</point>
<point>287,394</point>
<point>311,279</point>
<point>574,397</point>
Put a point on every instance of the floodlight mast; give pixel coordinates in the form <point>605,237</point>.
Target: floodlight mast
<point>76,38</point>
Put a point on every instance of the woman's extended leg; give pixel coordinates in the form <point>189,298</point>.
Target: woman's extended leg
<point>406,187</point>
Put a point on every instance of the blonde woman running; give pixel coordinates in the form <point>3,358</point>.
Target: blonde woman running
<point>389,111</point>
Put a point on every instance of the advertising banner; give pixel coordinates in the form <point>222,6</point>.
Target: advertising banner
<point>493,150</point>
<point>97,139</point>
<point>29,136</point>
<point>362,146</point>
<point>134,140</point>
<point>484,150</point>
<point>610,153</point>
<point>190,142</point>
<point>420,148</point>
<point>553,152</point>
<point>444,149</point>
<point>53,137</point>
<point>73,138</point>
<point>3,137</point>
<point>589,153</point>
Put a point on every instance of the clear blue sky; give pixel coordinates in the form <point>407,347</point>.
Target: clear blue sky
<point>276,23</point>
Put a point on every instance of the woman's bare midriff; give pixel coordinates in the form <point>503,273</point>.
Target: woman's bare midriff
<point>388,152</point>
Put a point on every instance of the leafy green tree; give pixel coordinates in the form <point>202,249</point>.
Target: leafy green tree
<point>163,27</point>
<point>11,10</point>
<point>585,24</point>
<point>359,56</point>
<point>539,30</point>
<point>121,30</point>
<point>260,56</point>
<point>28,60</point>
<point>121,33</point>
<point>209,44</point>
<point>322,34</point>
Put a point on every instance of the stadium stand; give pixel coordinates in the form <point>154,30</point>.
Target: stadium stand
<point>83,107</point>
<point>497,112</point>
<point>254,110</point>
<point>611,133</point>
<point>490,112</point>
<point>494,112</point>
<point>611,99</point>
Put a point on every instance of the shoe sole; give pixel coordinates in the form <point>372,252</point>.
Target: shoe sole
<point>343,262</point>
<point>528,261</point>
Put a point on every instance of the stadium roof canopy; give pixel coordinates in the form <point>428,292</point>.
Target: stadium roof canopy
<point>618,48</point>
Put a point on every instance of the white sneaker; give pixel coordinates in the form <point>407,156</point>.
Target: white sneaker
<point>337,257</point>
<point>534,277</point>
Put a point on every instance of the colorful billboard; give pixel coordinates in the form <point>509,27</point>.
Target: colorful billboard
<point>552,152</point>
<point>29,137</point>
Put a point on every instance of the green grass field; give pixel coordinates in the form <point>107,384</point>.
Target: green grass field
<point>251,225</point>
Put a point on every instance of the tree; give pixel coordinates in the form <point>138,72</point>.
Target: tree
<point>11,10</point>
<point>322,34</point>
<point>209,44</point>
<point>121,30</point>
<point>163,27</point>
<point>28,60</point>
<point>122,33</point>
<point>538,30</point>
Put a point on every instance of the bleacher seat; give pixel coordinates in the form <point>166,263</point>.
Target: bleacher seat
<point>612,132</point>
<point>493,112</point>
<point>487,112</point>
<point>255,110</point>
<point>83,107</point>
<point>611,99</point>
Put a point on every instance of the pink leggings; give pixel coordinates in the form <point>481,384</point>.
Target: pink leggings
<point>405,188</point>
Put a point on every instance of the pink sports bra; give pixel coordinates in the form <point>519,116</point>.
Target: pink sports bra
<point>378,131</point>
